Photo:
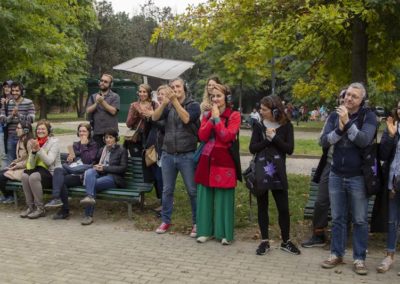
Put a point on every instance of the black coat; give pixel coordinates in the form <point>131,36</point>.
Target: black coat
<point>117,165</point>
<point>282,143</point>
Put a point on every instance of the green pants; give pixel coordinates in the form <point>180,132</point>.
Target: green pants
<point>215,212</point>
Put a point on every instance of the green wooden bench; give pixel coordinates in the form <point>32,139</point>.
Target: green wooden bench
<point>312,197</point>
<point>133,193</point>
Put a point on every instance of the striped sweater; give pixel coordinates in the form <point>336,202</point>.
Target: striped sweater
<point>26,111</point>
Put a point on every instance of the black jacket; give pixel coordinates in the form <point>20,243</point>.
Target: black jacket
<point>117,165</point>
<point>282,143</point>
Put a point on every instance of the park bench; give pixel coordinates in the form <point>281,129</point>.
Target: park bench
<point>133,193</point>
<point>312,197</point>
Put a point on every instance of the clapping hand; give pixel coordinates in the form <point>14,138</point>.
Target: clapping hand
<point>99,98</point>
<point>343,116</point>
<point>215,111</point>
<point>34,145</point>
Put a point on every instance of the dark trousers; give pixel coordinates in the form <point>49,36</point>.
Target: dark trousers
<point>158,181</point>
<point>98,138</point>
<point>322,204</point>
<point>61,181</point>
<point>282,203</point>
<point>3,181</point>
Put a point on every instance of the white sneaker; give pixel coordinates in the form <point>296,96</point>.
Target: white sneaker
<point>225,242</point>
<point>193,233</point>
<point>385,265</point>
<point>203,239</point>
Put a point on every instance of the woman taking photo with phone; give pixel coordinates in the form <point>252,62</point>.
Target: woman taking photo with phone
<point>215,173</point>
<point>273,137</point>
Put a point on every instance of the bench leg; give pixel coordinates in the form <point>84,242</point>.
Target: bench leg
<point>130,214</point>
<point>141,201</point>
<point>15,199</point>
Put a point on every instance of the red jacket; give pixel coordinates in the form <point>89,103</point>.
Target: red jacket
<point>216,167</point>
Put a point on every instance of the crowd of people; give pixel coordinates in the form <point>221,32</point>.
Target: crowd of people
<point>173,124</point>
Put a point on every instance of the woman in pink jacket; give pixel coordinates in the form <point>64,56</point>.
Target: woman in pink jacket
<point>215,173</point>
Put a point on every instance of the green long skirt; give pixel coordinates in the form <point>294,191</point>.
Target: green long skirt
<point>215,212</point>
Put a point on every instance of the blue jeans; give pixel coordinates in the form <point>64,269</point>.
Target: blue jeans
<point>170,165</point>
<point>12,141</point>
<point>393,222</point>
<point>95,182</point>
<point>342,193</point>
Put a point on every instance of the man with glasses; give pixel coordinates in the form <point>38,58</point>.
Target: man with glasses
<point>350,129</point>
<point>102,109</point>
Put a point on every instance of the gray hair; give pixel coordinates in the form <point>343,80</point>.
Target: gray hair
<point>359,86</point>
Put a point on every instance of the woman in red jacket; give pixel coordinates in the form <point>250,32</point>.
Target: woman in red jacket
<point>215,174</point>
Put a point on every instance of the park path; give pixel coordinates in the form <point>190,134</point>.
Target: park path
<point>47,251</point>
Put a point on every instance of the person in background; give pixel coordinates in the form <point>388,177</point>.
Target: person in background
<point>44,157</point>
<point>206,104</point>
<point>215,173</point>
<point>139,118</point>
<point>389,152</point>
<point>181,114</point>
<point>18,109</point>
<point>15,169</point>
<point>5,98</point>
<point>81,157</point>
<point>254,117</point>
<point>274,134</point>
<point>108,172</point>
<point>322,204</point>
<point>102,109</point>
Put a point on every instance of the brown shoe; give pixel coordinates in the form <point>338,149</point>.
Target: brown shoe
<point>39,212</point>
<point>24,214</point>
<point>359,267</point>
<point>332,262</point>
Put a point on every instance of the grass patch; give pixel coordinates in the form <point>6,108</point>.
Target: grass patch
<point>58,131</point>
<point>244,227</point>
<point>61,117</point>
<point>301,146</point>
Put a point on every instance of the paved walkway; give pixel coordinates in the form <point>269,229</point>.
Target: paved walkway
<point>47,251</point>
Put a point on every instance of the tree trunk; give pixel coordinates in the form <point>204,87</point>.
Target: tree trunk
<point>80,107</point>
<point>359,51</point>
<point>43,104</point>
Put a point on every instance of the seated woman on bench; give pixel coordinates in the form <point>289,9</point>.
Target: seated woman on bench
<point>107,173</point>
<point>81,157</point>
<point>16,168</point>
<point>44,157</point>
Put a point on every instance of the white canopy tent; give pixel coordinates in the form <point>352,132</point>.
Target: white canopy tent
<point>165,69</point>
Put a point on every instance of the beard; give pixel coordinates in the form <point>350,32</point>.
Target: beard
<point>104,88</point>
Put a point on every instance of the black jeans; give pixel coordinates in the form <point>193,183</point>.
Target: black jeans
<point>322,204</point>
<point>282,203</point>
<point>3,181</point>
<point>61,181</point>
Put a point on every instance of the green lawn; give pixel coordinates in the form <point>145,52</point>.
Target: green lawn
<point>301,146</point>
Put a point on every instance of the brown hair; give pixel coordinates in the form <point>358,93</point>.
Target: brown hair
<point>206,94</point>
<point>46,123</point>
<point>274,103</point>
<point>148,90</point>
<point>87,126</point>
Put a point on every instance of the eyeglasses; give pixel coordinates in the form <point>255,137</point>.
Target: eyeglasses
<point>104,81</point>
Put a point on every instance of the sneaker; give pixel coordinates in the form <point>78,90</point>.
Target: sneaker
<point>87,220</point>
<point>332,261</point>
<point>203,239</point>
<point>88,200</point>
<point>54,203</point>
<point>24,214</point>
<point>314,241</point>
<point>359,267</point>
<point>39,212</point>
<point>263,248</point>
<point>290,248</point>
<point>163,228</point>
<point>385,265</point>
<point>60,215</point>
<point>9,200</point>
<point>225,242</point>
<point>193,233</point>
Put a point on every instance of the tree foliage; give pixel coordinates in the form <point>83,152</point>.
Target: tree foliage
<point>319,45</point>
